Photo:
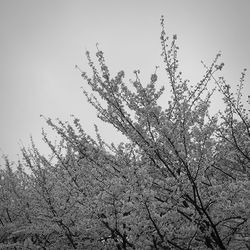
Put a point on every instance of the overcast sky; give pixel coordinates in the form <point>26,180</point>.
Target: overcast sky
<point>41,41</point>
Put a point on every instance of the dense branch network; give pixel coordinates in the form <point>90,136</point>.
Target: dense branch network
<point>181,181</point>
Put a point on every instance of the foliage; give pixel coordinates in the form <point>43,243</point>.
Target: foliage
<point>182,181</point>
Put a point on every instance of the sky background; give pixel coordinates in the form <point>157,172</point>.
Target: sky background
<point>41,41</point>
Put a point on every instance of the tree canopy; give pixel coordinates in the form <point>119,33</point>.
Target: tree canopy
<point>180,181</point>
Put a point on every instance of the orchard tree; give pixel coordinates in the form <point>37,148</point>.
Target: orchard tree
<point>181,181</point>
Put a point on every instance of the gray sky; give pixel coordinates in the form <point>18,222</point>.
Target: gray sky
<point>41,41</point>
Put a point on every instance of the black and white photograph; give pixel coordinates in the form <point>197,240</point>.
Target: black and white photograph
<point>124,125</point>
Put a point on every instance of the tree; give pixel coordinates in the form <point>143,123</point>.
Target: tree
<point>182,181</point>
